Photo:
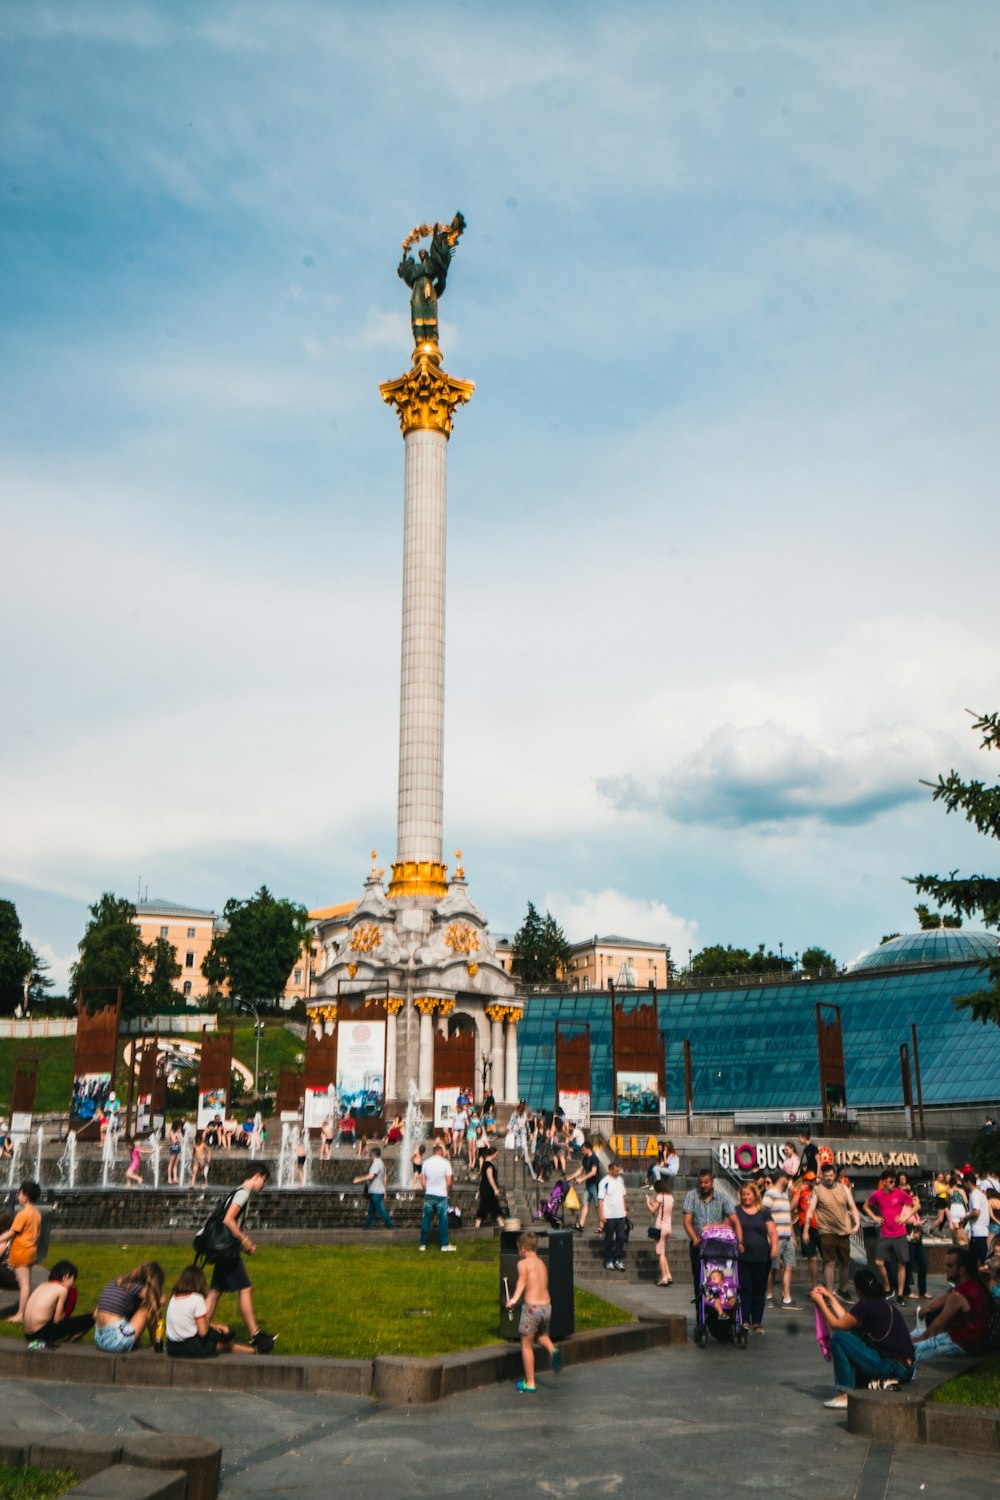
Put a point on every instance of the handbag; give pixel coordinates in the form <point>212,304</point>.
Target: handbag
<point>572,1199</point>
<point>652,1233</point>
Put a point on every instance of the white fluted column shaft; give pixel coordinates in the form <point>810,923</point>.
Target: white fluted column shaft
<point>498,1073</point>
<point>425,1067</point>
<point>390,1055</point>
<point>510,1068</point>
<point>420,807</point>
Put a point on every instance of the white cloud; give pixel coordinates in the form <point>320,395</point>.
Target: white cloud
<point>762,774</point>
<point>610,912</point>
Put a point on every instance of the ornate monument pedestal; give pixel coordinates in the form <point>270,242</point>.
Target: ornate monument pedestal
<point>422,946</point>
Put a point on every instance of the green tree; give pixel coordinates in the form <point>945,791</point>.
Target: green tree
<point>257,952</point>
<point>38,979</point>
<point>887,937</point>
<point>541,951</point>
<point>930,921</point>
<point>162,969</point>
<point>972,894</point>
<point>718,961</point>
<point>112,953</point>
<point>817,961</point>
<point>16,959</point>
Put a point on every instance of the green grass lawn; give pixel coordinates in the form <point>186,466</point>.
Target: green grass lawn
<point>34,1484</point>
<point>351,1301</point>
<point>980,1387</point>
<point>55,1058</point>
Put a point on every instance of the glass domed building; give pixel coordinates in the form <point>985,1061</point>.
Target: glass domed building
<point>942,945</point>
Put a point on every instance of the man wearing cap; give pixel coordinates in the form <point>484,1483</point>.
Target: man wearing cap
<point>809,1243</point>
<point>890,1206</point>
<point>836,1216</point>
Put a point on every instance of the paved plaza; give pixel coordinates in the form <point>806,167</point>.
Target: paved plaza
<point>680,1422</point>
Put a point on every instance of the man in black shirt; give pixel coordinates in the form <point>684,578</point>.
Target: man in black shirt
<point>588,1175</point>
<point>809,1155</point>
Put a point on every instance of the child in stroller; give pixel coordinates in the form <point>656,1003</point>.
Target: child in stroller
<point>719,1311</point>
<point>552,1209</point>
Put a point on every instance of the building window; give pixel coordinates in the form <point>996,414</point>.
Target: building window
<point>586,982</point>
<point>187,988</point>
<point>164,932</point>
<point>190,932</point>
<point>189,960</point>
<point>298,977</point>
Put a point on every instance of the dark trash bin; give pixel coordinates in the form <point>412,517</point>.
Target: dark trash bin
<point>555,1248</point>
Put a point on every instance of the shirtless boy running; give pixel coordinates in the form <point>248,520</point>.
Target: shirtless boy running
<point>536,1314</point>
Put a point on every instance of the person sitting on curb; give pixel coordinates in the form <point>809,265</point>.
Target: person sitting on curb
<point>881,1350</point>
<point>536,1312</point>
<point>128,1307</point>
<point>189,1333</point>
<point>957,1321</point>
<point>48,1316</point>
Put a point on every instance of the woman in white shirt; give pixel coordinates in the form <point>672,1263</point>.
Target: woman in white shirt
<point>189,1333</point>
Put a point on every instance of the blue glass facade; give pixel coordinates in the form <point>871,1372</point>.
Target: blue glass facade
<point>756,1048</point>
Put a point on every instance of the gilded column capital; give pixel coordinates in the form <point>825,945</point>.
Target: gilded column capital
<point>497,1012</point>
<point>514,1014</point>
<point>394,1004</point>
<point>445,1007</point>
<point>426,1004</point>
<point>426,397</point>
<point>322,1010</point>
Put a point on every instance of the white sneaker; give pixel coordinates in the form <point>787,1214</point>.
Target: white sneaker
<point>421,1248</point>
<point>448,1249</point>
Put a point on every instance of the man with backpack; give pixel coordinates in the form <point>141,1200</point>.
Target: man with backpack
<point>229,1273</point>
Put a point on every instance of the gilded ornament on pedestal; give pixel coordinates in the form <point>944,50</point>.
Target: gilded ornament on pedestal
<point>366,937</point>
<point>418,877</point>
<point>461,937</point>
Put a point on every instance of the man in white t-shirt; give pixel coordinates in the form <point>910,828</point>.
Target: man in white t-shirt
<point>977,1222</point>
<point>613,1214</point>
<point>436,1181</point>
<point>375,1178</point>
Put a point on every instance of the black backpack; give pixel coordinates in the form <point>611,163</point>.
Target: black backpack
<point>215,1240</point>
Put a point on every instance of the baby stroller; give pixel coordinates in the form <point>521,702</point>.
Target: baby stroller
<point>719,1311</point>
<point>552,1209</point>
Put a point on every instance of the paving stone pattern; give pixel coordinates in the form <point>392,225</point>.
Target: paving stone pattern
<point>682,1422</point>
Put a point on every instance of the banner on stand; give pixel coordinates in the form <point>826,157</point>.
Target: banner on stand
<point>320,1106</point>
<point>445,1106</point>
<point>361,1068</point>
<point>637,1094</point>
<point>211,1102</point>
<point>575,1105</point>
<point>144,1114</point>
<point>91,1092</point>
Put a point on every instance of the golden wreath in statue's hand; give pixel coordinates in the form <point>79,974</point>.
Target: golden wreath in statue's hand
<point>452,230</point>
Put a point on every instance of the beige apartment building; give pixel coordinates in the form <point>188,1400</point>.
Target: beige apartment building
<point>630,964</point>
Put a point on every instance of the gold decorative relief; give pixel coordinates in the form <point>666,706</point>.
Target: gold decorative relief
<point>496,1012</point>
<point>366,937</point>
<point>426,397</point>
<point>352,969</point>
<point>426,1004</point>
<point>394,1004</point>
<point>322,1010</point>
<point>418,877</point>
<point>462,937</point>
<point>445,1007</point>
<point>473,970</point>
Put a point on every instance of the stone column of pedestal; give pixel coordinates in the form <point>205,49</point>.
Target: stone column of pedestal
<point>425,1069</point>
<point>421,703</point>
<point>392,1008</point>
<point>498,1075</point>
<point>510,1068</point>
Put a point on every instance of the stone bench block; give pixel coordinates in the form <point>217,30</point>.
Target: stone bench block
<point>478,1367</point>
<point>14,1449</point>
<point>351,1376</point>
<point>237,1372</point>
<point>143,1367</point>
<point>84,1453</point>
<point>886,1416</point>
<point>124,1482</point>
<point>200,1458</point>
<point>69,1362</point>
<point>974,1429</point>
<point>406,1380</point>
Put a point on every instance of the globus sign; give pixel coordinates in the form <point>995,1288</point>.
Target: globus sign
<point>749,1156</point>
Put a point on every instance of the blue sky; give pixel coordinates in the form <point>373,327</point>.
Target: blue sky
<point>723,512</point>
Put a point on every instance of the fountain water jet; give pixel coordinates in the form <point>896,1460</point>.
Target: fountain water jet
<point>39,1137</point>
<point>413,1134</point>
<point>107,1157</point>
<point>187,1154</point>
<point>154,1155</point>
<point>67,1162</point>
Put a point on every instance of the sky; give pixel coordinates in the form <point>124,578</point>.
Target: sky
<point>722,513</point>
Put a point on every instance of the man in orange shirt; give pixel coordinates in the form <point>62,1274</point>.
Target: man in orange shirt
<point>22,1237</point>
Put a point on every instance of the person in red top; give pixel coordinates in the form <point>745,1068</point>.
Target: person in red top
<point>891,1208</point>
<point>957,1323</point>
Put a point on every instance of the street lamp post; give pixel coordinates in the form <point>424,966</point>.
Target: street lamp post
<point>247,1005</point>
